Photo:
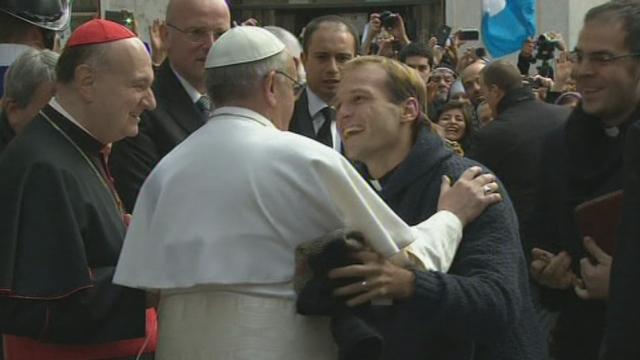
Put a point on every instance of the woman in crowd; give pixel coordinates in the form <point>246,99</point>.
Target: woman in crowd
<point>455,120</point>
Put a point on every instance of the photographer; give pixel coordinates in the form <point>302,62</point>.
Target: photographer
<point>550,90</point>
<point>545,46</point>
<point>385,35</point>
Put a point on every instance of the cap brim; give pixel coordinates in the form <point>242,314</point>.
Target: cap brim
<point>59,24</point>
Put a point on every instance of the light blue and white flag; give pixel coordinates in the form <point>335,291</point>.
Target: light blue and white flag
<point>506,24</point>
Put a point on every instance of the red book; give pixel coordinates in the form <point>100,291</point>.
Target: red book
<point>600,219</point>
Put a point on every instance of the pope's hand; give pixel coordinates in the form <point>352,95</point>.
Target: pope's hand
<point>468,197</point>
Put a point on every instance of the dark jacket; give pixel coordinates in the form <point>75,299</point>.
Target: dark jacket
<point>511,147</point>
<point>524,63</point>
<point>481,308</point>
<point>622,337</point>
<point>174,118</point>
<point>6,132</point>
<point>580,162</point>
<point>302,122</point>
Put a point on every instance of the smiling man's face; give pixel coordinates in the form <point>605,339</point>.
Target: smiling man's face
<point>609,90</point>
<point>369,122</point>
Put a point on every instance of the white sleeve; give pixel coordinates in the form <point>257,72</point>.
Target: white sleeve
<point>430,245</point>
<point>437,240</point>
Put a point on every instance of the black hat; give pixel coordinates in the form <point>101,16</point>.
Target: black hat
<point>47,14</point>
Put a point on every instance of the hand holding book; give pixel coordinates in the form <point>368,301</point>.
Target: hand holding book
<point>600,219</point>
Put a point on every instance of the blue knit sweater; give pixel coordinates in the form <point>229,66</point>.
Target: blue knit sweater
<point>481,308</point>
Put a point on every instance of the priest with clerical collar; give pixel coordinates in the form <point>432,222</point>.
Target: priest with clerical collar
<point>63,224</point>
<point>218,221</point>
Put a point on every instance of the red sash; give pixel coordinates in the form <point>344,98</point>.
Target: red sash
<point>23,348</point>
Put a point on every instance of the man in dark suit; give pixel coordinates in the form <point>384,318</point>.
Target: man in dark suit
<point>191,28</point>
<point>511,145</point>
<point>328,43</point>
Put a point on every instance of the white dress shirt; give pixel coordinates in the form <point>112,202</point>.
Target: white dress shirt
<point>191,91</point>
<point>315,110</point>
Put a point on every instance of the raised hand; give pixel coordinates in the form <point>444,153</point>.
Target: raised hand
<point>564,67</point>
<point>158,46</point>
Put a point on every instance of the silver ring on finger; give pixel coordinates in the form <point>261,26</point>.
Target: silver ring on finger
<point>487,189</point>
<point>364,283</point>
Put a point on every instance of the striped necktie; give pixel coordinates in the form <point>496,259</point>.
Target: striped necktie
<point>204,105</point>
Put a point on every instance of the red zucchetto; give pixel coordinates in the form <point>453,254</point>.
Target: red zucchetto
<point>99,31</point>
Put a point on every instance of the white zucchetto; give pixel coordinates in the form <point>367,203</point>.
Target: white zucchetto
<point>241,45</point>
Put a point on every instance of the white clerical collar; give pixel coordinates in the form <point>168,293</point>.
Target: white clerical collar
<point>191,91</point>
<point>612,132</point>
<point>376,184</point>
<point>241,113</point>
<point>57,107</point>
<point>315,103</point>
<point>10,52</point>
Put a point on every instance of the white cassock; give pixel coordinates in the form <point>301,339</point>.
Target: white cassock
<point>216,225</point>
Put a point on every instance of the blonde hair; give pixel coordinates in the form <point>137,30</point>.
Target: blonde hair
<point>402,82</point>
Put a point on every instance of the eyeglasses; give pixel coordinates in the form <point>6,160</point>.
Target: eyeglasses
<point>598,58</point>
<point>198,35</point>
<point>298,87</point>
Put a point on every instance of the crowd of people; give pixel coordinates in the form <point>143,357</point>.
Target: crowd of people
<point>240,192</point>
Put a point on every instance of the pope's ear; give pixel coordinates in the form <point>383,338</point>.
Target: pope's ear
<point>269,88</point>
<point>84,79</point>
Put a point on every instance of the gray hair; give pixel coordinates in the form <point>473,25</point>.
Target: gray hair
<point>31,69</point>
<point>236,82</point>
<point>288,39</point>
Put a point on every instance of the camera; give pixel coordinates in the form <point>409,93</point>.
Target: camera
<point>388,19</point>
<point>532,82</point>
<point>468,34</point>
<point>546,45</point>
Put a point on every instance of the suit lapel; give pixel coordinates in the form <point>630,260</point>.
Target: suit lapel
<point>179,104</point>
<point>302,123</point>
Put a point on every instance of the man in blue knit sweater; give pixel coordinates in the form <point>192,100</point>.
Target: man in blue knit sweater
<point>481,308</point>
